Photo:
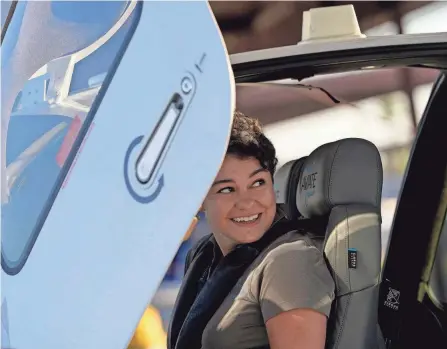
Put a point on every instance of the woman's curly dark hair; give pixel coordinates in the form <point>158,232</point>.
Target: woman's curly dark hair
<point>248,140</point>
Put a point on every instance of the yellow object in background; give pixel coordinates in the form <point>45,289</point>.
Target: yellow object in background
<point>191,228</point>
<point>149,333</point>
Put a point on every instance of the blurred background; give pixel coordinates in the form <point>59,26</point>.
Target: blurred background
<point>383,106</point>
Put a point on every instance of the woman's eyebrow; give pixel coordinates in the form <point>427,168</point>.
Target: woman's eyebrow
<point>220,181</point>
<point>254,173</point>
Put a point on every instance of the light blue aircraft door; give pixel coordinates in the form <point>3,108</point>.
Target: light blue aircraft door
<point>115,120</point>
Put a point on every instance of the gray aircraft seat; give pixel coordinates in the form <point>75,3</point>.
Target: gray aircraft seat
<point>341,184</point>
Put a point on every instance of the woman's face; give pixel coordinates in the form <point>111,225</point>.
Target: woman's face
<point>240,206</point>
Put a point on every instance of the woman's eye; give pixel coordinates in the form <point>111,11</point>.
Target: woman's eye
<point>226,190</point>
<point>258,183</point>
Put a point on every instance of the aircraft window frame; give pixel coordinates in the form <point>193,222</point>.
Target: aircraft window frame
<point>81,66</point>
<point>8,8</point>
<point>14,267</point>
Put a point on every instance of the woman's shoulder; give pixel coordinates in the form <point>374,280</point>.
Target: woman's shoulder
<point>294,253</point>
<point>293,274</point>
<point>198,247</point>
<point>201,243</point>
<point>294,244</point>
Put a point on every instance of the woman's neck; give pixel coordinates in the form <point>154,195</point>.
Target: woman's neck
<point>226,245</point>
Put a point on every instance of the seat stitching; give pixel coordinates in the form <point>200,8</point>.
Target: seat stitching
<point>343,321</point>
<point>330,176</point>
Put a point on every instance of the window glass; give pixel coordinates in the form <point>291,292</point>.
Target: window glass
<point>41,117</point>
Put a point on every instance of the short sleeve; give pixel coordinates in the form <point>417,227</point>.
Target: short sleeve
<point>295,276</point>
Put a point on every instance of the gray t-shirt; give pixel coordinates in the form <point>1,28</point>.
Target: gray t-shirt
<point>289,274</point>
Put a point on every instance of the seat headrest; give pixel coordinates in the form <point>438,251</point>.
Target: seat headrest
<point>286,184</point>
<point>344,172</point>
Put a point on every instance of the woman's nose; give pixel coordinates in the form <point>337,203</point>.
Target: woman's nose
<point>245,203</point>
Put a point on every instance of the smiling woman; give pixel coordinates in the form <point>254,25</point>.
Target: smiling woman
<point>240,206</point>
<point>237,291</point>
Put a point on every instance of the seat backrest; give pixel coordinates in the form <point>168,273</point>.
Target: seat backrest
<point>341,183</point>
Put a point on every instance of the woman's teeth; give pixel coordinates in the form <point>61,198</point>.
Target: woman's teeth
<point>247,219</point>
